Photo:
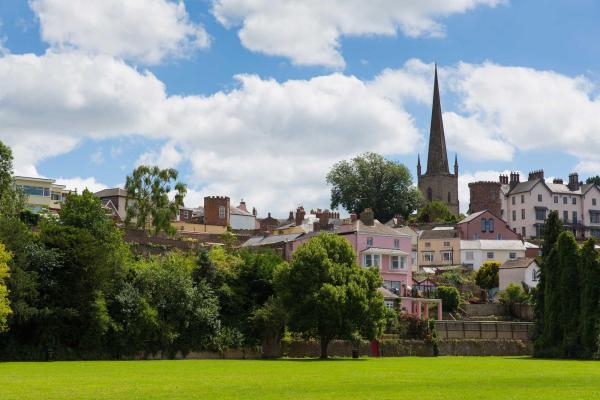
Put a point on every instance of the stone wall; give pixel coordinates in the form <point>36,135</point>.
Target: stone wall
<point>484,310</point>
<point>484,330</point>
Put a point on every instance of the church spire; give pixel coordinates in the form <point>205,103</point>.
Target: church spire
<point>437,158</point>
<point>418,165</point>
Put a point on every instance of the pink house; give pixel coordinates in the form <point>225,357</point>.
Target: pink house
<point>485,225</point>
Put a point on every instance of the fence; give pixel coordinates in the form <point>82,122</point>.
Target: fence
<point>484,330</point>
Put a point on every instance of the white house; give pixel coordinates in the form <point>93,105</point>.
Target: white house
<point>521,270</point>
<point>241,218</point>
<point>473,253</point>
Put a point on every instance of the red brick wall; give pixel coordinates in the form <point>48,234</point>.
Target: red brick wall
<point>211,210</point>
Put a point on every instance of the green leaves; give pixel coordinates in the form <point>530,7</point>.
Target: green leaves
<point>370,181</point>
<point>148,202</point>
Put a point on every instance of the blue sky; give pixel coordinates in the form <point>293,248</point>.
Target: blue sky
<point>257,100</point>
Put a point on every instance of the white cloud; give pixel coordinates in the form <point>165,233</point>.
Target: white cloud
<point>80,184</point>
<point>591,167</point>
<point>309,32</point>
<point>168,157</point>
<point>146,31</point>
<point>526,109</point>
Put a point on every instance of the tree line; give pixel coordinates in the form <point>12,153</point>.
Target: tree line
<point>567,309</point>
<point>71,288</point>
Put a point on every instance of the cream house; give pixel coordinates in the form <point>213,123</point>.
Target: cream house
<point>519,271</point>
<point>474,253</point>
<point>42,193</point>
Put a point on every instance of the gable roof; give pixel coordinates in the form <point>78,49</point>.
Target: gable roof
<point>377,229</point>
<point>518,263</point>
<point>439,234</point>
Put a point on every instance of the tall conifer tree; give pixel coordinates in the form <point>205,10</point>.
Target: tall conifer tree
<point>590,299</point>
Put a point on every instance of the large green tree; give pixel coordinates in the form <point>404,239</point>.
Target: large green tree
<point>547,278</point>
<point>11,198</point>
<point>593,179</point>
<point>589,318</point>
<point>328,296</point>
<point>568,263</point>
<point>371,181</point>
<point>436,212</point>
<point>148,202</point>
<point>5,309</point>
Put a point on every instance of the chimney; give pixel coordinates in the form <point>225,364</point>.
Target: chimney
<point>242,205</point>
<point>367,217</point>
<point>353,217</point>
<point>514,179</point>
<point>254,211</point>
<point>300,213</point>
<point>504,179</point>
<point>533,175</point>
<point>573,181</point>
<point>558,181</point>
<point>291,216</point>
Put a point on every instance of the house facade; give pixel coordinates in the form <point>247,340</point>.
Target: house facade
<point>485,225</point>
<point>42,193</point>
<point>519,271</point>
<point>474,253</point>
<point>439,247</point>
<point>525,205</point>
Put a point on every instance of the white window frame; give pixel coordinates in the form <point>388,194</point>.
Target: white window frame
<point>396,243</point>
<point>370,241</point>
<point>490,255</point>
<point>512,255</point>
<point>372,260</point>
<point>428,256</point>
<point>469,256</point>
<point>447,255</point>
<point>221,212</point>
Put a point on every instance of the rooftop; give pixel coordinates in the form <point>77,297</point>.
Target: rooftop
<point>492,245</point>
<point>518,263</point>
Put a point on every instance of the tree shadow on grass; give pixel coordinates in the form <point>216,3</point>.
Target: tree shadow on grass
<point>333,359</point>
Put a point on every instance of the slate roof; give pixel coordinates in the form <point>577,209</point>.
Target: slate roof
<point>439,234</point>
<point>266,240</point>
<point>518,263</point>
<point>472,217</point>
<point>377,229</point>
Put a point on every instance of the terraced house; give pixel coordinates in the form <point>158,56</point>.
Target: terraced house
<point>525,205</point>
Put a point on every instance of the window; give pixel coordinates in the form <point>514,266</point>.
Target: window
<point>449,198</point>
<point>370,241</point>
<point>540,198</point>
<point>556,199</point>
<point>595,217</point>
<point>372,260</point>
<point>446,244</point>
<point>565,216</point>
<point>512,255</point>
<point>574,217</point>
<point>396,243</point>
<point>483,225</point>
<point>36,191</point>
<point>469,255</point>
<point>593,202</point>
<point>565,200</point>
<point>222,212</point>
<point>595,233</point>
<point>398,262</point>
<point>513,200</point>
<point>514,215</point>
<point>540,214</point>
<point>523,232</point>
<point>393,286</point>
<point>447,256</point>
<point>522,199</point>
<point>490,223</point>
<point>186,214</point>
<point>499,236</point>
<point>490,255</point>
<point>428,256</point>
<point>535,275</point>
<point>427,244</point>
<point>522,213</point>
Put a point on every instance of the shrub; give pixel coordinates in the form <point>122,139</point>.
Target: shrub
<point>450,297</point>
<point>487,276</point>
<point>513,294</point>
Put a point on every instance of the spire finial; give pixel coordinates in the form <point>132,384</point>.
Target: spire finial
<point>437,158</point>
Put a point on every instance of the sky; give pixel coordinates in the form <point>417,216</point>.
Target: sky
<point>257,99</point>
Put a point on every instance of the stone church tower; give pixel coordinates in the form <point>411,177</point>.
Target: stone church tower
<point>437,183</point>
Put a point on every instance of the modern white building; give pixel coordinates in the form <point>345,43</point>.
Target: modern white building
<point>241,219</point>
<point>473,253</point>
<point>525,205</point>
<point>42,193</point>
<point>519,271</point>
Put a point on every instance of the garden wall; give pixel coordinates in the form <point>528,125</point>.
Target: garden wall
<point>484,310</point>
<point>483,330</point>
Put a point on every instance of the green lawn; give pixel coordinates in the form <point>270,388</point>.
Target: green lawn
<point>389,378</point>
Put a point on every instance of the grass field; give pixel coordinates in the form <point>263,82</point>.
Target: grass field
<point>390,378</point>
